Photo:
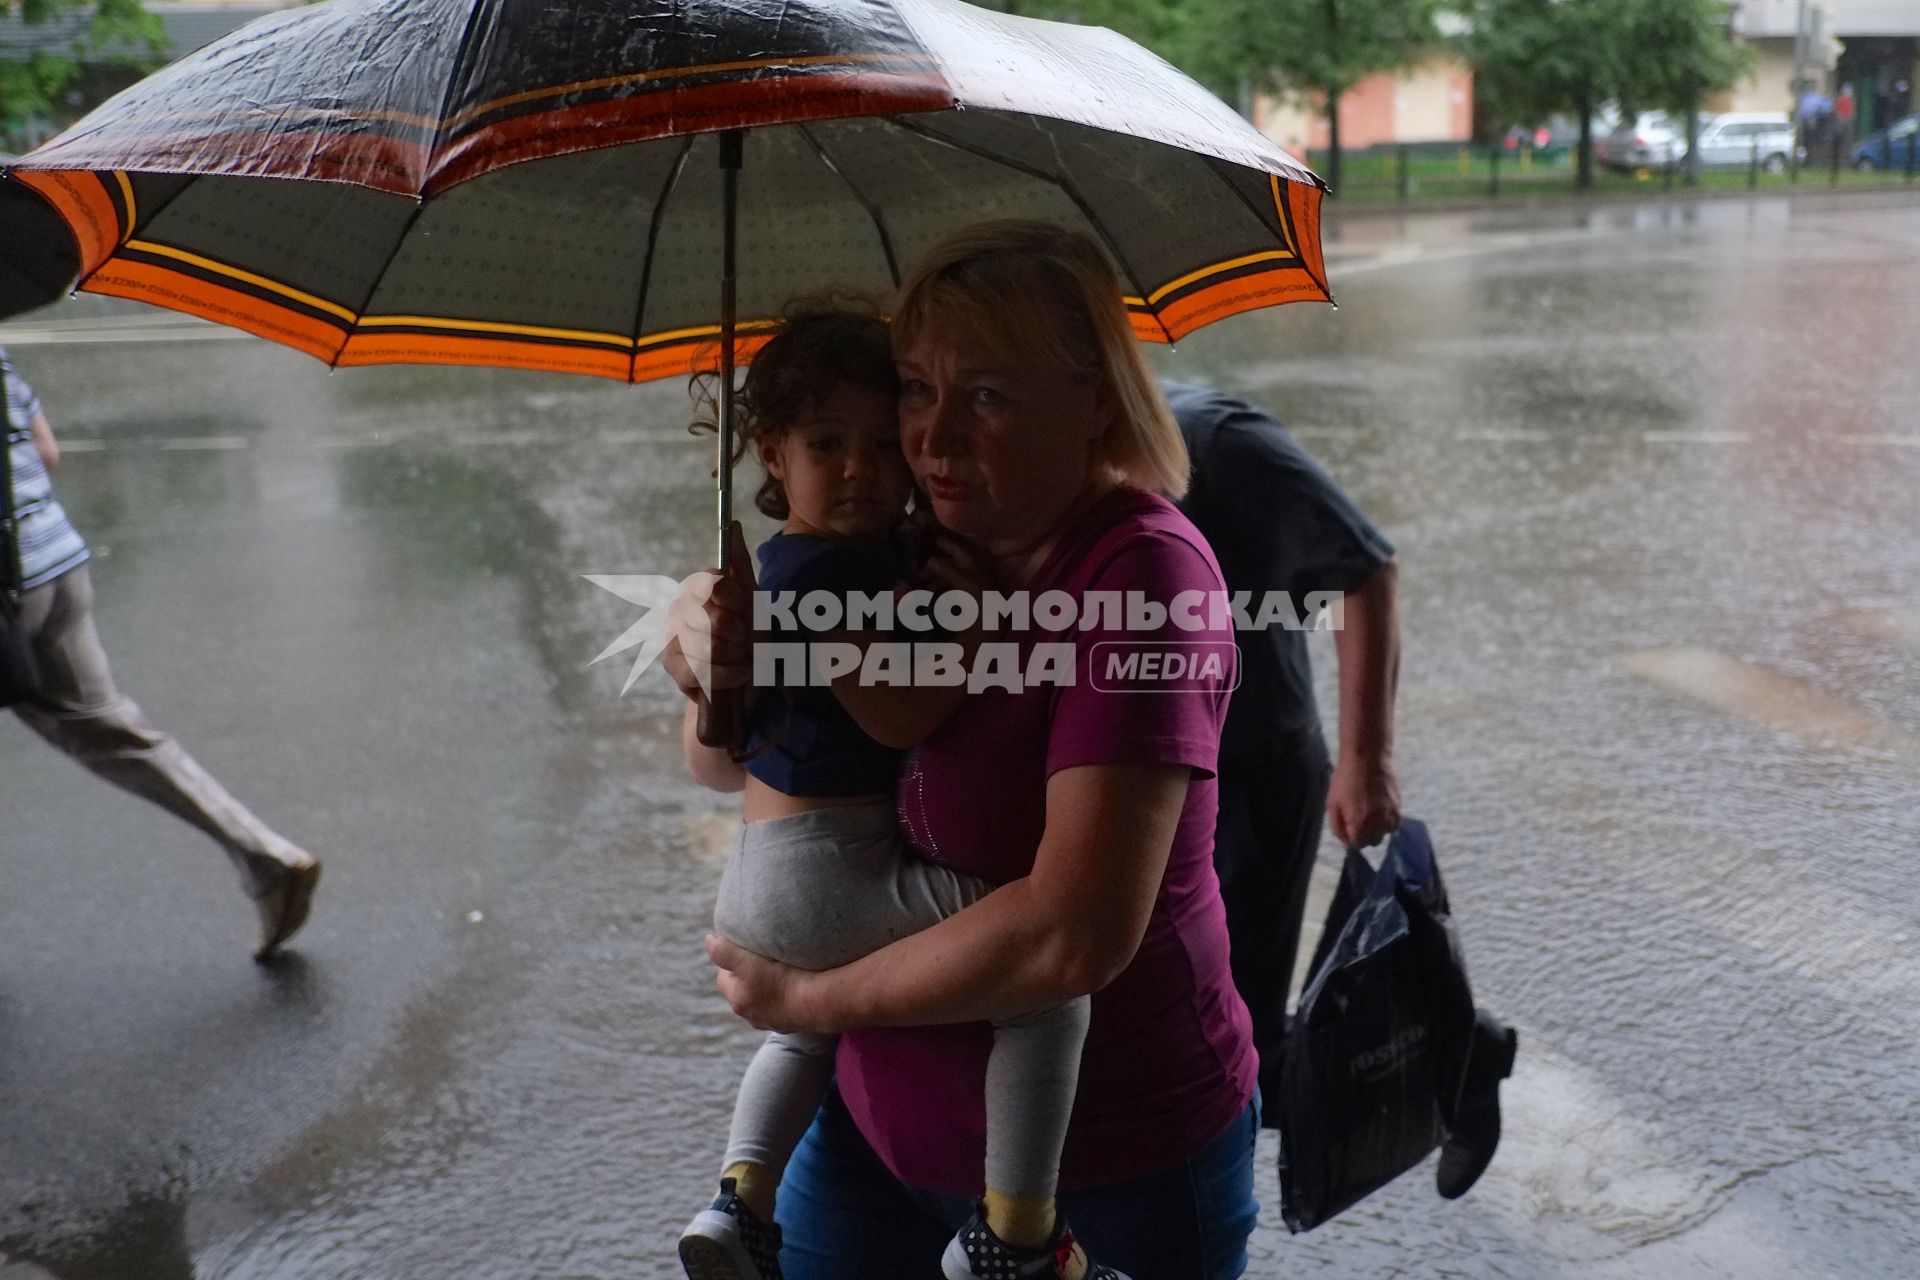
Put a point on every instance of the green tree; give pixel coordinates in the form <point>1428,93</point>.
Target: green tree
<point>1684,50</point>
<point>1322,47</point>
<point>1300,47</point>
<point>118,33</point>
<point>1533,58</point>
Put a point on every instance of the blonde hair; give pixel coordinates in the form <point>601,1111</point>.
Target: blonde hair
<point>1029,286</point>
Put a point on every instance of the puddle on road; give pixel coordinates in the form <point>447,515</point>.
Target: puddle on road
<point>1770,700</point>
<point>1898,626</point>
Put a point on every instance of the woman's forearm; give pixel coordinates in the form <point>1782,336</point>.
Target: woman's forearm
<point>44,443</point>
<point>1067,929</point>
<point>1368,651</point>
<point>997,959</point>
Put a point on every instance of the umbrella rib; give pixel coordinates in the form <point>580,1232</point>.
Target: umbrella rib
<point>360,312</point>
<point>1066,188</point>
<point>1214,166</point>
<point>453,86</point>
<point>653,238</point>
<point>873,210</point>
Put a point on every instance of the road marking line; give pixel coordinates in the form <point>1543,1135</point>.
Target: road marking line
<point>202,443</point>
<point>1403,255</point>
<point>1910,442</point>
<point>68,445</point>
<point>1769,699</point>
<point>1695,437</point>
<point>355,442</point>
<point>635,436</point>
<point>1902,626</point>
<point>1520,436</point>
<point>87,337</point>
<point>508,438</point>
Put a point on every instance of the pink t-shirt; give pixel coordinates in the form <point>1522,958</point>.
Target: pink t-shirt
<point>1169,1059</point>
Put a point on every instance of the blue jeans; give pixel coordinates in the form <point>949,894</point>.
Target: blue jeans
<point>844,1216</point>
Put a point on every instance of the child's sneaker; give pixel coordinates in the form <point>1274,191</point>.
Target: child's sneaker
<point>729,1242</point>
<point>978,1254</point>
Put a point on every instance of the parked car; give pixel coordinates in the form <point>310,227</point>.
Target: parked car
<point>1563,134</point>
<point>1887,149</point>
<point>1651,140</point>
<point>1737,139</point>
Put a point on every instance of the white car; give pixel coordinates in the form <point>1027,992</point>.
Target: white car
<point>1738,139</point>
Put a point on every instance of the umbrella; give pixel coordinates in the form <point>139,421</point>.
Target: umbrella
<point>39,261</point>
<point>558,184</point>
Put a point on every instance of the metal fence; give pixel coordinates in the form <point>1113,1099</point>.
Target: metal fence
<point>1416,173</point>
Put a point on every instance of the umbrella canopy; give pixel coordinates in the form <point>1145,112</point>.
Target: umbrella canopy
<point>534,184</point>
<point>38,263</point>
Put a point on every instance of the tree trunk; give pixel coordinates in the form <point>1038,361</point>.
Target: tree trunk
<point>1332,174</point>
<point>1584,105</point>
<point>1693,136</point>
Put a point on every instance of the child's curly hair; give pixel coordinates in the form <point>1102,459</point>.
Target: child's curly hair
<point>825,343</point>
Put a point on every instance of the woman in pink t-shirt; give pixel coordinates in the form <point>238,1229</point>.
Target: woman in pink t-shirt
<point>1032,422</point>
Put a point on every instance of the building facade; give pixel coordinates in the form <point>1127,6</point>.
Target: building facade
<point>1872,46</point>
<point>1429,103</point>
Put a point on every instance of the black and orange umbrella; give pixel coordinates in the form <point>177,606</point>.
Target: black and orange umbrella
<point>538,183</point>
<point>560,184</point>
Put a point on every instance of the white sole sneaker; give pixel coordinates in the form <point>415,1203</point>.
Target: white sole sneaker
<point>954,1264</point>
<point>711,1249</point>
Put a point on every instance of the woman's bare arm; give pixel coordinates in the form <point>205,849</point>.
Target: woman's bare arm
<point>1066,929</point>
<point>44,443</point>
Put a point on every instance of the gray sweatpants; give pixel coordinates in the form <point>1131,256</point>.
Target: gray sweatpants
<point>84,715</point>
<point>818,890</point>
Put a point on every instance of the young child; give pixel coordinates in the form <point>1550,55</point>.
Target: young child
<point>820,876</point>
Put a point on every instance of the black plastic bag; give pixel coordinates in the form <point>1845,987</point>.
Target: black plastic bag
<point>19,673</point>
<point>1372,1066</point>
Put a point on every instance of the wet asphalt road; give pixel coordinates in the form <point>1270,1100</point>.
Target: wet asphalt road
<point>1655,477</point>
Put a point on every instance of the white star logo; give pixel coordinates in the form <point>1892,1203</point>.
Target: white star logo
<point>652,592</point>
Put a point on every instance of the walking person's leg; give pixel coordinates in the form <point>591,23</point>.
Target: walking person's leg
<point>1272,810</point>
<point>86,717</point>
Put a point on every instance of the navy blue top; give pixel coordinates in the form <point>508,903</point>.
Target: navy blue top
<point>1277,522</point>
<point>816,747</point>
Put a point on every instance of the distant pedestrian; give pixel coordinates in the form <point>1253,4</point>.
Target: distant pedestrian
<point>1843,109</point>
<point>78,709</point>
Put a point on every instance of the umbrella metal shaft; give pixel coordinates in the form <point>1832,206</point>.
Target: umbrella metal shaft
<point>722,717</point>
<point>730,155</point>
